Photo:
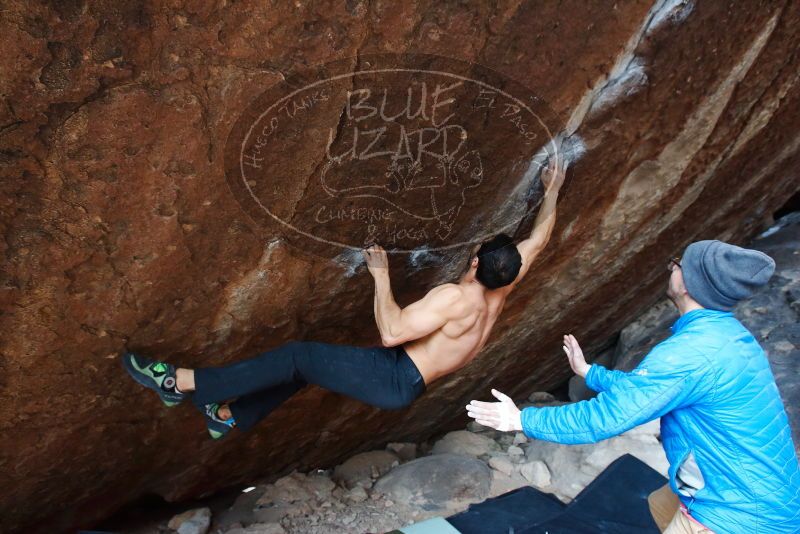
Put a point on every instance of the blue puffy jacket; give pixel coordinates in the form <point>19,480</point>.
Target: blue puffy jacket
<point>712,386</point>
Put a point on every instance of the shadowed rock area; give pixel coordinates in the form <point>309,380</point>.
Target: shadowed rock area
<point>120,230</point>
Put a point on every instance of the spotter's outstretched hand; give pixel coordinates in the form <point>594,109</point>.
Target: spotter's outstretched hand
<point>503,415</point>
<point>575,356</point>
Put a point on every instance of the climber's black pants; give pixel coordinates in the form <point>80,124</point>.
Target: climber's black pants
<point>383,377</point>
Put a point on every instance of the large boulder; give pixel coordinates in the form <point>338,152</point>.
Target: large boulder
<point>362,468</point>
<point>191,522</point>
<point>437,481</point>
<point>536,472</point>
<point>466,443</point>
<point>123,229</point>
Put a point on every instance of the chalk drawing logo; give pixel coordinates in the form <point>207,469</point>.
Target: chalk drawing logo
<point>413,151</point>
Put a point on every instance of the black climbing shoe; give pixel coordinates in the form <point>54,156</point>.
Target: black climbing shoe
<point>158,376</point>
<point>217,426</point>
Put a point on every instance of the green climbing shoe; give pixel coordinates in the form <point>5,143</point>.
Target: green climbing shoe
<point>217,426</point>
<point>158,376</point>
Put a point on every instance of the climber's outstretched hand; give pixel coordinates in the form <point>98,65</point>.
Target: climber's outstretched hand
<point>376,259</point>
<point>553,175</point>
<point>503,415</point>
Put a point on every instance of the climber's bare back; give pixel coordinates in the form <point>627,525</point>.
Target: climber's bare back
<point>447,328</point>
<point>464,334</point>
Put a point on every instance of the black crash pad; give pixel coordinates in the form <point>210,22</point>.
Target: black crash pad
<point>615,502</point>
<point>513,510</point>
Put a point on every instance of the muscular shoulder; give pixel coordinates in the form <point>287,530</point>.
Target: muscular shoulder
<point>446,293</point>
<point>447,299</point>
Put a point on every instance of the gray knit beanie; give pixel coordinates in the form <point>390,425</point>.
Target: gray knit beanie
<point>718,275</point>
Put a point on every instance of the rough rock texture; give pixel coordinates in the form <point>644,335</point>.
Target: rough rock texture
<point>362,467</point>
<point>191,522</point>
<point>464,443</point>
<point>437,481</point>
<point>119,230</point>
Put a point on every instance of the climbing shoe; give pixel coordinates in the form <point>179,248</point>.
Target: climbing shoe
<point>217,426</point>
<point>158,376</point>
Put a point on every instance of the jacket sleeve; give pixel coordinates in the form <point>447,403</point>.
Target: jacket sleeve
<point>671,376</point>
<point>600,379</point>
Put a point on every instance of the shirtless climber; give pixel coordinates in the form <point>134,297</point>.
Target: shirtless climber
<point>422,342</point>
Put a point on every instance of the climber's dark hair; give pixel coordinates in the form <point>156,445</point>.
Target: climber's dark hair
<point>498,262</point>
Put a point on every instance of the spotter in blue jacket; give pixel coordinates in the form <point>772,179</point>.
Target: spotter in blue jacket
<point>723,424</point>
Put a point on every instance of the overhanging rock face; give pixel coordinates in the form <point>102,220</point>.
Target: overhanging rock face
<point>120,227</point>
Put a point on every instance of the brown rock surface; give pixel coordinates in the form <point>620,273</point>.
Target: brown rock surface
<point>119,229</point>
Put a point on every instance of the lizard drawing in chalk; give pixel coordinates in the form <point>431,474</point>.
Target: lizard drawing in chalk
<point>447,187</point>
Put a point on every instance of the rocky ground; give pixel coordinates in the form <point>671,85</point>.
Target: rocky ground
<point>378,491</point>
<point>382,490</point>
